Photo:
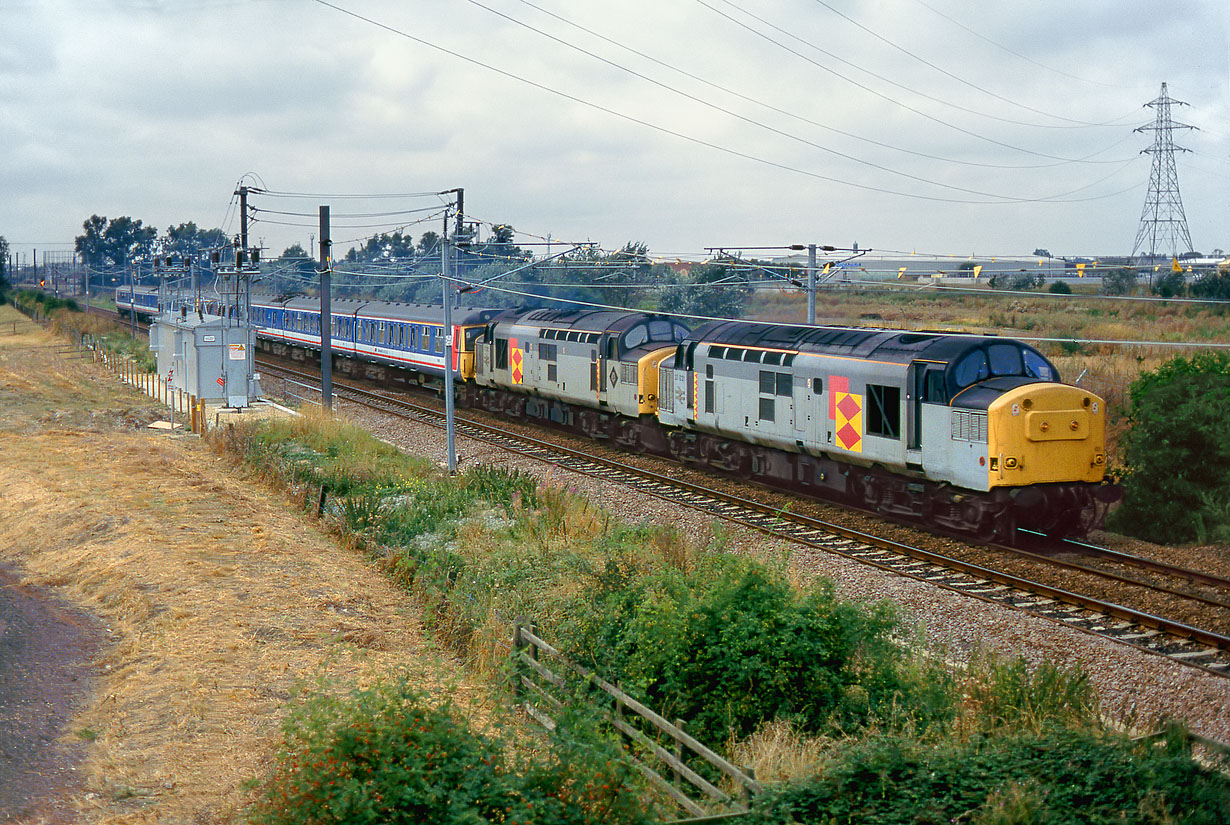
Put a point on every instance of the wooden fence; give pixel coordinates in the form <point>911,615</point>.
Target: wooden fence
<point>656,747</point>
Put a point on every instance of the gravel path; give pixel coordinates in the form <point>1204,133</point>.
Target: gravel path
<point>1137,688</point>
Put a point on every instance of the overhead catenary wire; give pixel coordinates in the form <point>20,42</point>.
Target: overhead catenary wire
<point>1034,338</point>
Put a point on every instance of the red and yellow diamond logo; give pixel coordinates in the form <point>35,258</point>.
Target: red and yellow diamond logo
<point>517,362</point>
<point>846,410</point>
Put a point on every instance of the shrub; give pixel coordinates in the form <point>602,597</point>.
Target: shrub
<point>1058,776</point>
<point>1177,453</point>
<point>1119,281</point>
<point>1059,288</point>
<point>1214,286</point>
<point>383,755</point>
<point>732,646</point>
<point>1169,284</point>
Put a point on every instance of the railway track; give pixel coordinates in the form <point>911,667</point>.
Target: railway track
<point>1193,645</point>
<point>1184,643</point>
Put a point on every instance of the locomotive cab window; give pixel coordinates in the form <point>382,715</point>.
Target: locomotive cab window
<point>933,392</point>
<point>1038,367</point>
<point>884,411</point>
<point>971,369</point>
<point>634,337</point>
<point>1005,359</point>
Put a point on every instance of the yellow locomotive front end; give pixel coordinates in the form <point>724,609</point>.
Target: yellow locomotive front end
<point>1046,433</point>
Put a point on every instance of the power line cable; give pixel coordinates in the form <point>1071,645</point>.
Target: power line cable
<point>807,120</point>
<point>947,73</point>
<point>864,87</point>
<point>1012,52</point>
<point>681,135</point>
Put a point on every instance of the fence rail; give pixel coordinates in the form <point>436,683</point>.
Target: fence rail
<point>642,730</point>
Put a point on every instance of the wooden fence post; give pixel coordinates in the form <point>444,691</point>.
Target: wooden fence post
<point>518,643</point>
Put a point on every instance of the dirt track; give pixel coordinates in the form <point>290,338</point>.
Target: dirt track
<point>46,645</point>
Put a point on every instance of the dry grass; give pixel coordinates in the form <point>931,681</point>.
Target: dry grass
<point>220,602</point>
<point>778,752</point>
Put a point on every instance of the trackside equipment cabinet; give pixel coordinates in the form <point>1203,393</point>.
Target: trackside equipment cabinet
<point>208,356</point>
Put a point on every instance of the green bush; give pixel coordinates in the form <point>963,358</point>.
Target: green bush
<point>383,755</point>
<point>1059,288</point>
<point>1213,286</point>
<point>1058,776</point>
<point>732,646</point>
<point>1169,284</point>
<point>1177,453</point>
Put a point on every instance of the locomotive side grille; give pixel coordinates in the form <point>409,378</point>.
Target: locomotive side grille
<point>666,390</point>
<point>968,425</point>
<point>627,373</point>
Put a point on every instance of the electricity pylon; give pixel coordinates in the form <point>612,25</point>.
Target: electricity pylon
<point>1163,226</point>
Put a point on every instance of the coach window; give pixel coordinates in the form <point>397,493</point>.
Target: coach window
<point>439,340</point>
<point>884,410</point>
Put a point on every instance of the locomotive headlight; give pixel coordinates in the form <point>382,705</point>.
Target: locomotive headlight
<point>1074,426</point>
<point>1010,463</point>
<point>1099,459</point>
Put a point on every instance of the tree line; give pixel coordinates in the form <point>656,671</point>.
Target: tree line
<point>397,267</point>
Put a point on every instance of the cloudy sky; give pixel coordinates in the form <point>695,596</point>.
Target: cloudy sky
<point>941,126</point>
